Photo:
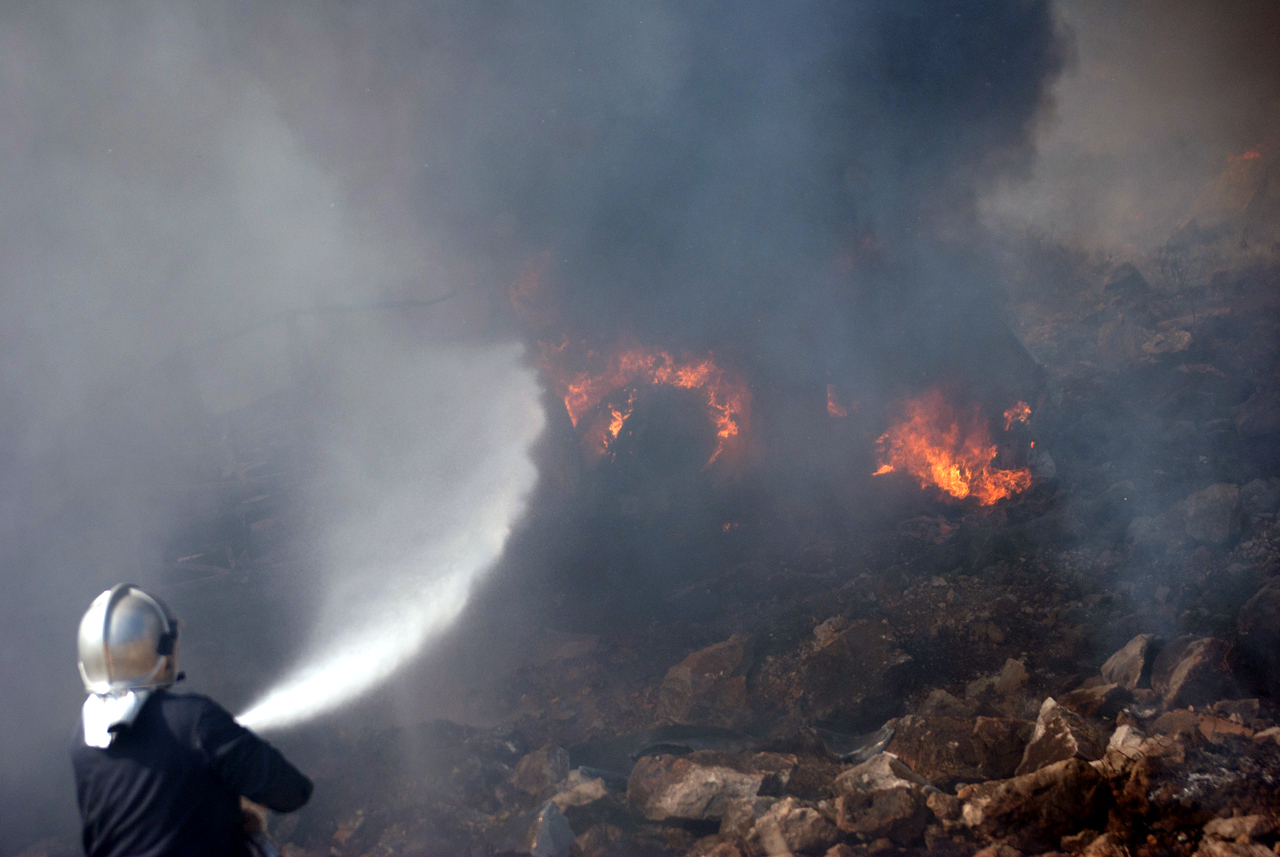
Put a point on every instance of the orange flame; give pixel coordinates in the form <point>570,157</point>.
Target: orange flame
<point>605,429</point>
<point>618,416</point>
<point>1019,413</point>
<point>930,444</point>
<point>834,408</point>
<point>728,399</point>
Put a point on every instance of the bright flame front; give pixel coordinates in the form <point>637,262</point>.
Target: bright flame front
<point>953,452</point>
<point>727,397</point>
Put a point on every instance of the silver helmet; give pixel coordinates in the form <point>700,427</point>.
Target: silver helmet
<point>127,642</point>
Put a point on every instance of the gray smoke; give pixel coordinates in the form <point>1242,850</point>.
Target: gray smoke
<point>1160,95</point>
<point>795,186</point>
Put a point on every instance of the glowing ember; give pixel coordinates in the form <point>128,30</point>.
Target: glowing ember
<point>728,398</point>
<point>1019,413</point>
<point>930,444</point>
<point>834,408</point>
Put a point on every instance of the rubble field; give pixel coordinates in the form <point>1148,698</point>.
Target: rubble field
<point>1087,668</point>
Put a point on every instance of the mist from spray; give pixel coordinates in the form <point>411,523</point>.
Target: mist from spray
<point>432,458</point>
<point>165,201</point>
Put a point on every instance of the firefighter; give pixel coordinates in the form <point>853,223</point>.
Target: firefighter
<point>161,773</point>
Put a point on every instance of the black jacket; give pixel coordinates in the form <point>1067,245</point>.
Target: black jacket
<point>171,783</point>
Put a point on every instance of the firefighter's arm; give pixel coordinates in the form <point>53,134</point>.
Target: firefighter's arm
<point>248,765</point>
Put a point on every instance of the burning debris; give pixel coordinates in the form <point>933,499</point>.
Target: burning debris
<point>1017,413</point>
<point>943,447</point>
<point>603,401</point>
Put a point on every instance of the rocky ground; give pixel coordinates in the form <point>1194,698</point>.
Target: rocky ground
<point>1163,749</point>
<point>1090,669</point>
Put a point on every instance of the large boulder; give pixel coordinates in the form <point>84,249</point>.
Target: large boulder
<point>1125,745</point>
<point>550,834</point>
<point>707,686</point>
<point>1258,638</point>
<point>1192,671</point>
<point>1213,515</point>
<point>899,815</point>
<point>882,798</point>
<point>541,769</point>
<point>946,750</point>
<point>1240,827</point>
<point>1060,734</point>
<point>882,771</point>
<point>1032,812</point>
<point>699,786</point>
<point>1131,666</point>
<point>740,815</point>
<point>1099,701</point>
<point>857,678</point>
<point>578,789</point>
<point>1219,848</point>
<point>542,833</point>
<point>791,827</point>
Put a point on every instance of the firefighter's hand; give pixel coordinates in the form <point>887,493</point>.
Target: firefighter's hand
<point>253,817</point>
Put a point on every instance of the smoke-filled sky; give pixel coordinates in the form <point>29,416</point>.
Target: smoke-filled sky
<point>784,182</point>
<point>1161,93</point>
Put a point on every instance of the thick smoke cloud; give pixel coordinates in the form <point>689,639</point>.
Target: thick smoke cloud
<point>694,170</point>
<point>792,185</point>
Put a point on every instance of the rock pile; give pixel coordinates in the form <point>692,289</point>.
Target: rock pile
<point>1155,754</point>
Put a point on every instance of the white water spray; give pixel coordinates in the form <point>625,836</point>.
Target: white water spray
<point>429,468</point>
